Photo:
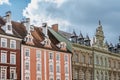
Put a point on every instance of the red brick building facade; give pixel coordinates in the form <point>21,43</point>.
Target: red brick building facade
<point>9,50</point>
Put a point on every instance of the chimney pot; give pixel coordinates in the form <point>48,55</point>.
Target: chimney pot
<point>55,27</point>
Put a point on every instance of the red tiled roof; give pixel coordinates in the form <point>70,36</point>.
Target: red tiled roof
<point>20,31</point>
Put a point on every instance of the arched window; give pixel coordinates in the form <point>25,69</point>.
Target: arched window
<point>82,58</point>
<point>102,76</point>
<point>101,61</point>
<point>90,60</point>
<point>97,60</point>
<point>109,63</point>
<point>97,76</point>
<point>106,76</point>
<point>76,57</point>
<point>105,62</point>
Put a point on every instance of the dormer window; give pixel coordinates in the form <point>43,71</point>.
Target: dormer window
<point>62,45</point>
<point>9,27</point>
<point>46,42</point>
<point>29,39</point>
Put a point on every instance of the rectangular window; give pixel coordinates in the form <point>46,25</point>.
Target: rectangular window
<point>51,68</point>
<point>3,74</point>
<point>66,58</point>
<point>27,65</point>
<point>13,44</point>
<point>38,67</point>
<point>57,57</point>
<point>51,56</point>
<point>4,57</point>
<point>58,68</point>
<point>3,42</point>
<point>51,79</point>
<point>38,54</point>
<point>12,58</point>
<point>27,52</point>
<point>27,78</point>
<point>66,69</point>
<point>12,73</point>
<point>39,78</point>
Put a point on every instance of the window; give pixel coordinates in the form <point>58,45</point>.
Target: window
<point>13,44</point>
<point>12,58</point>
<point>27,78</point>
<point>12,73</point>
<point>76,58</point>
<point>38,78</point>
<point>51,79</point>
<point>105,62</point>
<point>3,42</point>
<point>66,58</point>
<point>58,79</point>
<point>82,58</point>
<point>101,61</point>
<point>38,67</point>
<point>58,68</point>
<point>90,60</point>
<point>51,56</point>
<point>51,68</point>
<point>57,57</point>
<point>9,27</point>
<point>3,57</point>
<point>97,60</point>
<point>27,66</point>
<point>3,74</point>
<point>66,69</point>
<point>27,52</point>
<point>38,54</point>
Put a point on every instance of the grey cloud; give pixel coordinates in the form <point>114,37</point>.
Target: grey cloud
<point>84,15</point>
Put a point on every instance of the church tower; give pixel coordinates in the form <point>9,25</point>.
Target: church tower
<point>99,36</point>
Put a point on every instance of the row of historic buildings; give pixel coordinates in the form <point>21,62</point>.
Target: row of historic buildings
<point>28,52</point>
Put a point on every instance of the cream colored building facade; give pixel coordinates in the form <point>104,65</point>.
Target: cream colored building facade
<point>95,61</point>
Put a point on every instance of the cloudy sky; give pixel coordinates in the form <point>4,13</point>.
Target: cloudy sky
<point>78,15</point>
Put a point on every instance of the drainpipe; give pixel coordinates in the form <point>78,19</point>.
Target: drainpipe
<point>93,63</point>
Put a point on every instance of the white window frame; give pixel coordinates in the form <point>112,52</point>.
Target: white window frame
<point>58,57</point>
<point>38,55</point>
<point>51,66</point>
<point>27,54</point>
<point>14,70</point>
<point>3,40</point>
<point>13,44</point>
<point>66,69</point>
<point>38,66</point>
<point>5,55</point>
<point>66,58</point>
<point>58,71</point>
<point>12,55</point>
<point>28,65</point>
<point>26,75</point>
<point>3,68</point>
<point>51,56</point>
<point>39,77</point>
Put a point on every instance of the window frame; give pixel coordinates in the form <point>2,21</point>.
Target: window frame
<point>13,44</point>
<point>4,40</point>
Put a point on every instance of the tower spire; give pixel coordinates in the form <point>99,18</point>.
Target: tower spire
<point>99,22</point>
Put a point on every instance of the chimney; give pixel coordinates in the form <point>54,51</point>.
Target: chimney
<point>55,27</point>
<point>27,24</point>
<point>44,29</point>
<point>8,17</point>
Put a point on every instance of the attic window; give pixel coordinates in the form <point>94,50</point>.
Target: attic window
<point>46,42</point>
<point>62,45</point>
<point>9,27</point>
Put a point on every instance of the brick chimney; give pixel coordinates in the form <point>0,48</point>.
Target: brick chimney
<point>55,27</point>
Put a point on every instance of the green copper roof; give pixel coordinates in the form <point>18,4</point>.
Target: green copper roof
<point>60,38</point>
